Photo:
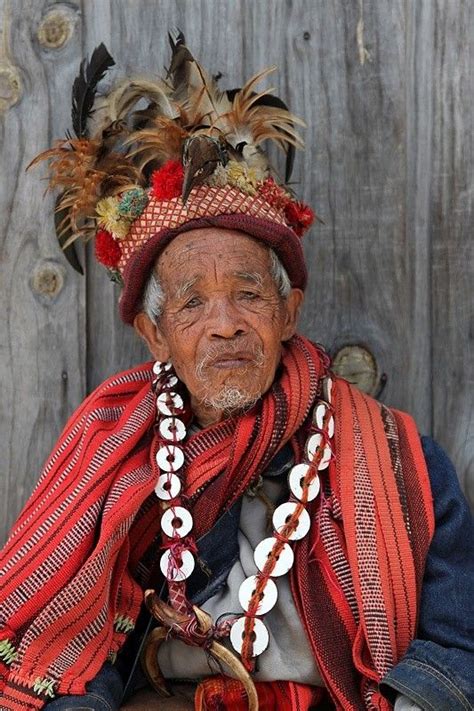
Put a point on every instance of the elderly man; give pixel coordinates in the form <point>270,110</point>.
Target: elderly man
<point>230,524</point>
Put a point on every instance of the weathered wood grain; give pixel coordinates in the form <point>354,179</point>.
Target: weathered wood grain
<point>451,216</point>
<point>42,344</point>
<point>386,90</point>
<point>356,171</point>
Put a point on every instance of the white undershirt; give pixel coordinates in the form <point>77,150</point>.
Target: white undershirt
<point>288,656</point>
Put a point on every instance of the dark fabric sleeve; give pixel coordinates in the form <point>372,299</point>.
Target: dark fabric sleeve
<point>437,671</point>
<point>103,693</point>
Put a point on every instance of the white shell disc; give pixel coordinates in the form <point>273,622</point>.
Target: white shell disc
<point>331,427</point>
<point>282,515</point>
<point>261,637</point>
<point>295,481</point>
<point>318,418</point>
<point>326,458</point>
<point>170,458</point>
<point>167,487</point>
<point>160,367</point>
<point>169,402</point>
<point>268,597</point>
<point>176,521</point>
<point>172,429</point>
<point>314,441</point>
<point>175,572</point>
<point>284,561</point>
<point>318,414</point>
<point>170,381</point>
<point>327,389</point>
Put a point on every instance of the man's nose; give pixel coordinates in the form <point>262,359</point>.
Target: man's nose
<point>225,320</point>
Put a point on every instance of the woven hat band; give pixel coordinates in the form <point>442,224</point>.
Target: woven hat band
<point>204,201</point>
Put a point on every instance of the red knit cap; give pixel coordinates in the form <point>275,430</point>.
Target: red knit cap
<point>225,207</point>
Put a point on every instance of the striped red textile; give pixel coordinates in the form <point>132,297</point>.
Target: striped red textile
<point>64,568</point>
<point>221,693</point>
<point>71,569</point>
<point>68,569</point>
<point>366,550</point>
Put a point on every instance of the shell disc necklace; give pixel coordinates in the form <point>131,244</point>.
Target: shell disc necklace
<point>274,555</point>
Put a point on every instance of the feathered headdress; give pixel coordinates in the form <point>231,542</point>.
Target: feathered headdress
<point>192,152</point>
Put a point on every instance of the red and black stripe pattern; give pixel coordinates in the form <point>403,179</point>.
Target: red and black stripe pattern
<point>70,570</point>
<point>358,575</point>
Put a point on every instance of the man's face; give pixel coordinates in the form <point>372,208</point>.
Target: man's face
<point>223,320</point>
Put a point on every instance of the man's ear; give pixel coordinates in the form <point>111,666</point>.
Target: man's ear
<point>151,334</point>
<point>292,305</point>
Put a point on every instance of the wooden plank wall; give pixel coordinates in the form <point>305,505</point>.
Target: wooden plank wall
<point>386,88</point>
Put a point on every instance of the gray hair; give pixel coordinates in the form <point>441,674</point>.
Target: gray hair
<point>154,296</point>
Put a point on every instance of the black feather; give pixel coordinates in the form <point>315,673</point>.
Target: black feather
<point>231,93</point>
<point>175,41</point>
<point>270,100</point>
<point>180,56</point>
<point>70,251</point>
<point>85,87</point>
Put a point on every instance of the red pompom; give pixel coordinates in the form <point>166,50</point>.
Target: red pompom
<point>107,249</point>
<point>299,216</point>
<point>167,182</point>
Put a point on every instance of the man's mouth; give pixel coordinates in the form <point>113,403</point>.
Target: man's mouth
<point>232,360</point>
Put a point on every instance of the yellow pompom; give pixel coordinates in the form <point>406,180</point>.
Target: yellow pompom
<point>110,219</point>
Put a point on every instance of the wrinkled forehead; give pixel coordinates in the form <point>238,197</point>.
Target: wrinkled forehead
<point>213,252</point>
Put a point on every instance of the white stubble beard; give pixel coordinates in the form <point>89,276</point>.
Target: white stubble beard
<point>230,399</point>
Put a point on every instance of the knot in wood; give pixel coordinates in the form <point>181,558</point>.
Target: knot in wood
<point>10,86</point>
<point>357,365</point>
<point>47,280</point>
<point>56,29</point>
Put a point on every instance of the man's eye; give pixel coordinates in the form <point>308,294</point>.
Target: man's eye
<point>192,303</point>
<point>248,295</point>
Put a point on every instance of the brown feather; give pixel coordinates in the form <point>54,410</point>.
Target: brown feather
<point>158,143</point>
<point>197,94</point>
<point>119,103</point>
<point>258,121</point>
<point>253,120</point>
<point>86,173</point>
<point>205,102</point>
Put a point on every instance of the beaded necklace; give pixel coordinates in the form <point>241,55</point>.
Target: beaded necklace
<point>274,555</point>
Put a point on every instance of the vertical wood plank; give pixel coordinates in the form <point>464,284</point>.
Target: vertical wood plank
<point>367,261</point>
<point>42,358</point>
<point>452,215</point>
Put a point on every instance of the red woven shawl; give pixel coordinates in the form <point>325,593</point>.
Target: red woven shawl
<point>69,571</point>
